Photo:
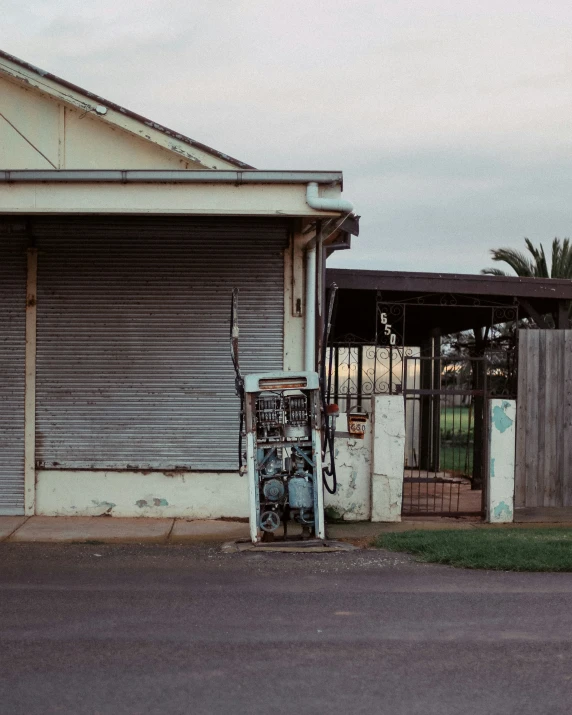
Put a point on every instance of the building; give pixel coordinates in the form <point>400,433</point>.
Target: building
<point>120,244</point>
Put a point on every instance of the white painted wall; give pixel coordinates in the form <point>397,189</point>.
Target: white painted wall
<point>192,495</point>
<point>502,447</point>
<point>388,458</point>
<point>56,135</point>
<point>352,500</point>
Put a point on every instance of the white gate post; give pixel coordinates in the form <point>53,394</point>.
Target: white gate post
<point>388,457</point>
<point>502,441</point>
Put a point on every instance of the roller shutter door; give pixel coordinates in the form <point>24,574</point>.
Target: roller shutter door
<point>12,368</point>
<point>133,357</point>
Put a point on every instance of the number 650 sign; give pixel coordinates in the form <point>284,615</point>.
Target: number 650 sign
<point>387,328</point>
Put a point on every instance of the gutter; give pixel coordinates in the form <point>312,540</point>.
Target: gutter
<point>213,176</point>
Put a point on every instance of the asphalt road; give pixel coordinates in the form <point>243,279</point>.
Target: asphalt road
<point>179,629</point>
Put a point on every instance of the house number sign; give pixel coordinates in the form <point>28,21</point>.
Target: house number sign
<point>387,328</point>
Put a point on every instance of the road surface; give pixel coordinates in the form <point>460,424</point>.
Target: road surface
<point>188,629</point>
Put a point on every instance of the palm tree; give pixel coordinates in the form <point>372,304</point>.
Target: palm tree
<point>535,266</point>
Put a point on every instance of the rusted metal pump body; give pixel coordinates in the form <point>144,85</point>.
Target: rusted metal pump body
<point>283,453</point>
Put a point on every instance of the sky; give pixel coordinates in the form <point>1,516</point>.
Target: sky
<point>450,120</point>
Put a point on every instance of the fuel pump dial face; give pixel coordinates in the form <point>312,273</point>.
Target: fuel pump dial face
<point>273,489</point>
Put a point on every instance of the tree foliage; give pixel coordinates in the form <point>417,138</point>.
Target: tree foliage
<point>535,265</point>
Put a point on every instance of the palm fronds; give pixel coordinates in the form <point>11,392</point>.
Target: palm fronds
<point>535,265</point>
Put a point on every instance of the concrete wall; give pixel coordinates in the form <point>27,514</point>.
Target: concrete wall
<point>193,495</point>
<point>352,500</point>
<point>502,440</point>
<point>370,471</point>
<point>388,458</point>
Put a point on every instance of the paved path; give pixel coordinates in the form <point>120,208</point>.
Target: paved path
<point>116,530</point>
<point>188,629</point>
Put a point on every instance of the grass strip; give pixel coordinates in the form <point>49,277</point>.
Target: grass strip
<point>507,549</point>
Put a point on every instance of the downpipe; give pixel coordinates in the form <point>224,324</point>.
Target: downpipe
<point>319,204</point>
<point>310,326</point>
<point>314,201</point>
<point>344,207</point>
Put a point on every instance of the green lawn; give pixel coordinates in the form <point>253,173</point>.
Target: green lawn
<point>505,549</point>
<point>456,418</point>
<point>456,440</point>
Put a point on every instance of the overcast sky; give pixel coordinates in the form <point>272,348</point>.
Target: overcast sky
<point>451,120</point>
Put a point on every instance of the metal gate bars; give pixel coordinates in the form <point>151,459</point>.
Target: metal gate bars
<point>445,401</point>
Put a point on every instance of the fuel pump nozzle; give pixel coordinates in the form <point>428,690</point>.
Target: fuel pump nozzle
<point>238,379</point>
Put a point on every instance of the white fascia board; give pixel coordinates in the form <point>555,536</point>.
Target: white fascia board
<point>224,199</point>
<point>27,76</point>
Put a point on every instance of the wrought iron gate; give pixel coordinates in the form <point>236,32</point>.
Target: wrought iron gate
<point>445,406</point>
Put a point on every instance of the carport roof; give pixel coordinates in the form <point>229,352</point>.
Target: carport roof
<point>446,302</point>
<point>467,284</point>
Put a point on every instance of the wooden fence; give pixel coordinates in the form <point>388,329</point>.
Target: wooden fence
<point>543,486</point>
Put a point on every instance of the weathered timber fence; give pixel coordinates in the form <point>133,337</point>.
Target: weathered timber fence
<point>543,472</point>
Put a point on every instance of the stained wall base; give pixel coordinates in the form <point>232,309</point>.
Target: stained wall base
<point>193,495</point>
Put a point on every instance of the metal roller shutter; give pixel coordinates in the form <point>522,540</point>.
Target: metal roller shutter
<point>12,367</point>
<point>133,357</point>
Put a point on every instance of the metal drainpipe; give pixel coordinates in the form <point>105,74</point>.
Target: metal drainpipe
<point>310,322</point>
<point>319,204</point>
<point>314,201</point>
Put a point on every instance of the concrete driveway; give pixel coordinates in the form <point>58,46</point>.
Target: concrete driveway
<point>188,629</point>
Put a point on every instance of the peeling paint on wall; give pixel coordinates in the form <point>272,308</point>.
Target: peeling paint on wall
<point>500,494</point>
<point>502,512</point>
<point>143,503</point>
<point>351,502</point>
<point>193,495</point>
<point>103,507</point>
<point>501,421</point>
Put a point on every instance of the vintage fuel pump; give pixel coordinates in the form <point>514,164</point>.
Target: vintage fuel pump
<point>281,419</point>
<point>283,453</point>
